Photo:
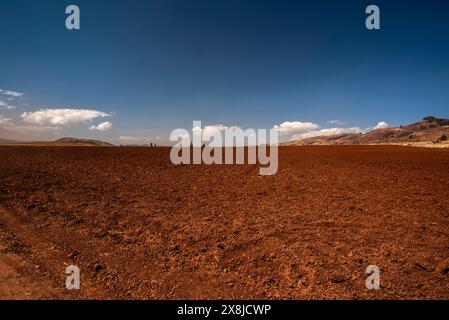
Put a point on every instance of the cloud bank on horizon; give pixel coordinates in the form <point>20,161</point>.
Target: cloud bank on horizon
<point>56,120</point>
<point>301,130</point>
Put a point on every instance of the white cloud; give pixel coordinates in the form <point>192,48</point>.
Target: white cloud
<point>336,122</point>
<point>30,129</point>
<point>9,125</point>
<point>104,126</point>
<point>4,121</point>
<point>134,140</point>
<point>287,127</point>
<point>325,132</point>
<point>381,125</point>
<point>303,130</point>
<point>11,93</point>
<point>4,105</point>
<point>61,117</point>
<point>218,130</point>
<point>215,128</point>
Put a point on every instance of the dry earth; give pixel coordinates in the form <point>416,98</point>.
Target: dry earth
<point>140,227</point>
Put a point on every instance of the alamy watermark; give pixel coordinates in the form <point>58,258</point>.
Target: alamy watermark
<point>373,280</point>
<point>372,22</point>
<point>72,22</point>
<point>73,279</point>
<point>207,145</point>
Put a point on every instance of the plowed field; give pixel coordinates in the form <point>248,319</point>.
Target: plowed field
<point>140,227</point>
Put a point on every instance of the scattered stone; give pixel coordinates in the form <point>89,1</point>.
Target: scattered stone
<point>72,254</point>
<point>338,279</point>
<point>443,267</point>
<point>424,266</point>
<point>101,234</point>
<point>98,267</point>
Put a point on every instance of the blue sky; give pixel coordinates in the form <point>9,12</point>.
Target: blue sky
<point>148,67</point>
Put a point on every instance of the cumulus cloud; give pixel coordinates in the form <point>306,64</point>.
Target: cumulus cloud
<point>325,132</point>
<point>381,125</point>
<point>11,93</point>
<point>296,127</point>
<point>104,126</point>
<point>61,117</point>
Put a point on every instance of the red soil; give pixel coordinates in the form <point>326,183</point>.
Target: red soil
<point>139,227</point>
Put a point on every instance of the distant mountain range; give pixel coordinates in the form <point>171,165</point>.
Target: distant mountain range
<point>430,131</point>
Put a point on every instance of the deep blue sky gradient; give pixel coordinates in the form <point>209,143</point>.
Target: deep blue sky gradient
<point>158,65</point>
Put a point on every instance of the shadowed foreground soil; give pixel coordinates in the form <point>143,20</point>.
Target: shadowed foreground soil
<point>139,227</point>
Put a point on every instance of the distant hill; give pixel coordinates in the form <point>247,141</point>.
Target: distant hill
<point>60,142</point>
<point>83,142</point>
<point>7,141</point>
<point>430,131</point>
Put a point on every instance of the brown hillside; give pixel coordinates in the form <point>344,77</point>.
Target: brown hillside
<point>429,131</point>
